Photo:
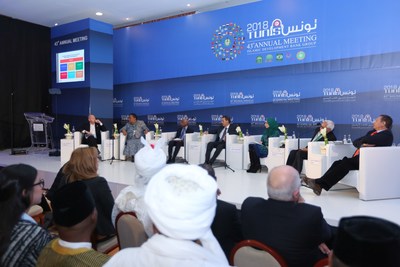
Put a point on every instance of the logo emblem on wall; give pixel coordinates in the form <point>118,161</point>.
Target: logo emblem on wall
<point>308,120</point>
<point>301,55</point>
<point>118,103</point>
<point>168,100</point>
<point>203,100</point>
<point>391,92</point>
<point>151,119</point>
<point>191,120</point>
<point>283,96</point>
<point>361,121</point>
<point>257,120</point>
<point>338,95</point>
<point>228,41</point>
<point>139,101</point>
<point>240,98</point>
<point>124,118</point>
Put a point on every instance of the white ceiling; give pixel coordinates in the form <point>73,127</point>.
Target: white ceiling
<point>115,12</point>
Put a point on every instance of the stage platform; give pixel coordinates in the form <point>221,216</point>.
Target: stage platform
<point>235,187</point>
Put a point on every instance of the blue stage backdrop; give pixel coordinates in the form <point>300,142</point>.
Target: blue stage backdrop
<point>299,61</point>
<point>82,67</point>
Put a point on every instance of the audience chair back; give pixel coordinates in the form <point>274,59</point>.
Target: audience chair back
<point>130,231</point>
<point>322,262</point>
<point>251,253</point>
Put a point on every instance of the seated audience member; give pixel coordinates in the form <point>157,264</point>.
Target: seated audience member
<point>367,242</point>
<point>284,222</point>
<point>75,217</point>
<point>296,156</point>
<point>83,166</point>
<point>220,143</point>
<point>381,135</point>
<point>91,131</point>
<point>133,130</point>
<point>226,226</point>
<point>181,203</point>
<point>178,141</point>
<point>257,151</point>
<point>21,238</point>
<point>148,161</point>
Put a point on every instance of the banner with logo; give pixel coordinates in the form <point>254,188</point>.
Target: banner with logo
<point>300,62</point>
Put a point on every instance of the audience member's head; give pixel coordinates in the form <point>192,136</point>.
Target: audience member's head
<point>283,183</point>
<point>149,161</point>
<point>366,241</point>
<point>181,203</point>
<point>74,212</point>
<point>11,209</point>
<point>82,165</point>
<point>30,185</point>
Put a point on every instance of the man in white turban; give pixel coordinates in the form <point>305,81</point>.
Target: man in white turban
<point>148,161</point>
<point>181,202</point>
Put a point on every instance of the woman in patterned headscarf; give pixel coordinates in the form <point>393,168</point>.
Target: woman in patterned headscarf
<point>257,151</point>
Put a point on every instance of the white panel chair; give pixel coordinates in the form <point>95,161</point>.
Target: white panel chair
<point>193,148</point>
<point>276,154</point>
<point>233,152</point>
<point>378,174</point>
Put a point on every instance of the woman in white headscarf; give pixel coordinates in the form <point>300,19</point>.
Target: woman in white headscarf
<point>148,161</point>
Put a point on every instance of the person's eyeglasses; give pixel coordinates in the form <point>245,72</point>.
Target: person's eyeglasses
<point>41,183</point>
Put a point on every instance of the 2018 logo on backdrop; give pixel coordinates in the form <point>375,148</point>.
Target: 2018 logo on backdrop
<point>308,120</point>
<point>391,92</point>
<point>361,121</point>
<point>191,120</point>
<point>124,118</point>
<point>227,41</point>
<point>118,103</point>
<point>283,96</point>
<point>338,95</point>
<point>275,39</point>
<point>139,101</point>
<point>240,98</point>
<point>168,100</point>
<point>203,100</point>
<point>151,119</point>
<point>257,120</point>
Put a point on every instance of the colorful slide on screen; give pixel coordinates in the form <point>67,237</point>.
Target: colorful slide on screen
<point>71,66</point>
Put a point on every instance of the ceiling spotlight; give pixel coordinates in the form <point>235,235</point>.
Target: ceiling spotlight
<point>188,5</point>
<point>55,24</point>
<point>99,14</point>
<point>127,19</point>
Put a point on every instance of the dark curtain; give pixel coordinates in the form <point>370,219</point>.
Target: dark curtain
<point>25,70</point>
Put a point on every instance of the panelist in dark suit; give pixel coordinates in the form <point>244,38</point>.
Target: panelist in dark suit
<point>297,156</point>
<point>220,143</point>
<point>380,136</point>
<point>296,230</point>
<point>91,131</point>
<point>178,141</point>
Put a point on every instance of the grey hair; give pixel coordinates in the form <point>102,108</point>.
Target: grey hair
<point>284,191</point>
<point>330,124</point>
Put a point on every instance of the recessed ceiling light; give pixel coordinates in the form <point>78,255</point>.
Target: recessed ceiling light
<point>55,24</point>
<point>127,19</point>
<point>188,5</point>
<point>99,14</point>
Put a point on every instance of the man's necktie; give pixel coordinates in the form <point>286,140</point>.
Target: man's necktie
<point>183,133</point>
<point>223,136</point>
<point>358,150</point>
